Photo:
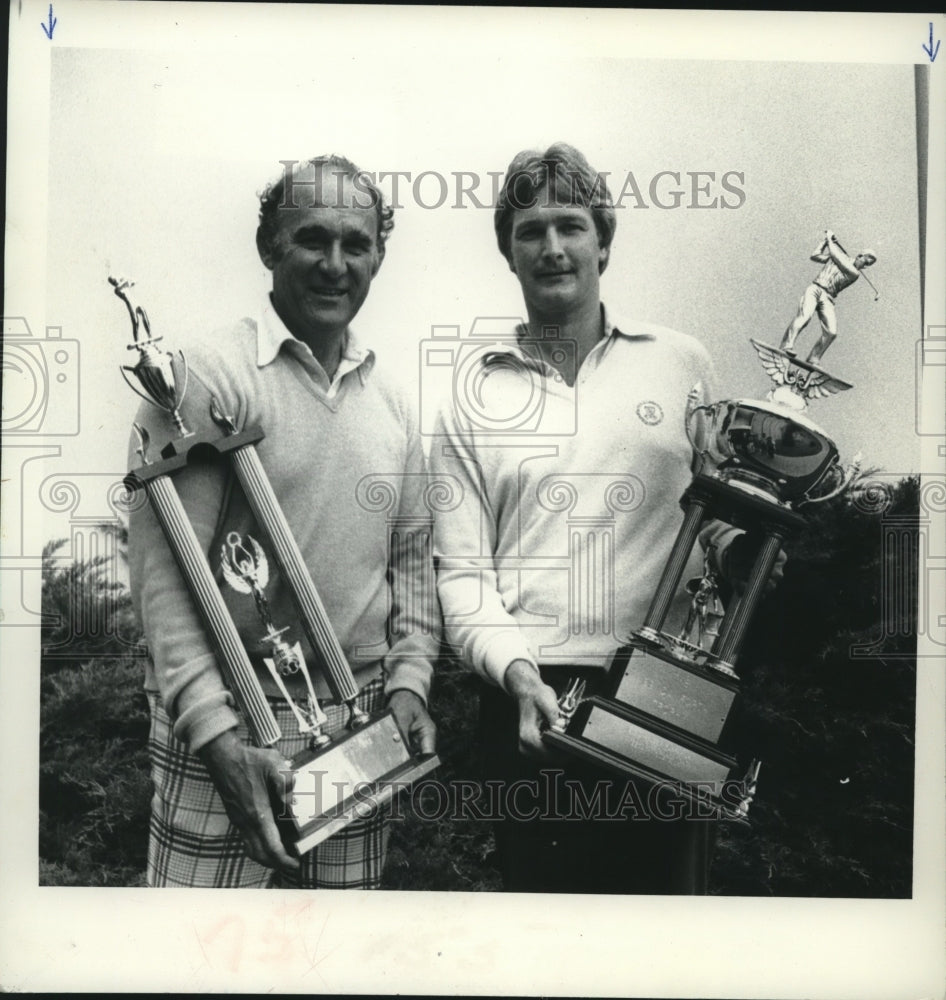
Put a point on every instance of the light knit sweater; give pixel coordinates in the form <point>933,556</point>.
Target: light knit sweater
<point>346,464</point>
<point>562,523</point>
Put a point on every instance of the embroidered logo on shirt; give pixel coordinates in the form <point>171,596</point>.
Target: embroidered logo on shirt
<point>650,412</point>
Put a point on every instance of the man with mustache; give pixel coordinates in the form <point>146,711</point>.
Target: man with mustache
<point>563,524</point>
<point>332,417</point>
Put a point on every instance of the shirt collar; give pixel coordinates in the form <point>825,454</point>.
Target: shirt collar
<point>272,333</point>
<point>619,328</point>
<point>610,326</point>
<point>611,330</point>
<point>622,327</point>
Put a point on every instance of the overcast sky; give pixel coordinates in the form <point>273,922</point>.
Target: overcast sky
<point>156,159</point>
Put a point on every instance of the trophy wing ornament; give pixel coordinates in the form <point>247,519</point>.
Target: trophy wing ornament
<point>821,384</point>
<point>245,570</point>
<point>775,362</point>
<point>795,381</point>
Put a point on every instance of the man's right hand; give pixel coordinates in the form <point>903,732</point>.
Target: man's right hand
<point>538,706</point>
<point>252,784</point>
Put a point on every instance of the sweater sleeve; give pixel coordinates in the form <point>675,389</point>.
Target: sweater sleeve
<point>476,623</point>
<point>414,624</point>
<point>185,666</point>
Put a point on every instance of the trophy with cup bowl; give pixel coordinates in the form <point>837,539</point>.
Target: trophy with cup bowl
<point>663,718</point>
<point>368,763</point>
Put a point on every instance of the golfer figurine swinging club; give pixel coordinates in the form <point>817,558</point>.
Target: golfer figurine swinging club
<point>839,271</point>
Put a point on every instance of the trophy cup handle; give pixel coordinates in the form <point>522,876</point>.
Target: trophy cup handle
<point>842,480</point>
<point>186,369</point>
<point>157,386</point>
<point>694,407</point>
<point>125,369</point>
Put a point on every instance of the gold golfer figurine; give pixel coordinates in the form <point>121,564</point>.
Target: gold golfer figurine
<point>839,271</point>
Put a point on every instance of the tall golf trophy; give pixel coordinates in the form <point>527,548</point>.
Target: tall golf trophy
<point>662,719</point>
<point>334,781</point>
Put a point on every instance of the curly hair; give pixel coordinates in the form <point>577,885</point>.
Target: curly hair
<point>563,171</point>
<point>273,195</point>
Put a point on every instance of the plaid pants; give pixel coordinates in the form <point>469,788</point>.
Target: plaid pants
<point>193,844</point>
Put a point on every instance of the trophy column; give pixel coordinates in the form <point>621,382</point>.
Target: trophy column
<point>190,558</point>
<point>740,611</point>
<point>312,612</point>
<point>694,515</point>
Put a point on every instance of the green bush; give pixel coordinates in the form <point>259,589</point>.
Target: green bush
<point>85,613</point>
<point>94,784</point>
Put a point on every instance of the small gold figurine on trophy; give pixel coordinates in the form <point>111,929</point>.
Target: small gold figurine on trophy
<point>706,610</point>
<point>155,370</point>
<point>246,570</point>
<point>840,270</point>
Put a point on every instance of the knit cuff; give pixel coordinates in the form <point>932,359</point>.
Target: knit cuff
<point>205,720</point>
<point>409,675</point>
<point>498,652</point>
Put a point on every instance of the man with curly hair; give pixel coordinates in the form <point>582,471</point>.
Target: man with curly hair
<point>332,418</point>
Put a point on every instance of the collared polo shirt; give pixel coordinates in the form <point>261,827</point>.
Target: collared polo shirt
<point>568,496</point>
<point>273,335</point>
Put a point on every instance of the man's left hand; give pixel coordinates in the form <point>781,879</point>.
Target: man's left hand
<point>418,729</point>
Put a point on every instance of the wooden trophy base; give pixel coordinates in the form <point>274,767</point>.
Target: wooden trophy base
<point>350,779</point>
<point>660,727</point>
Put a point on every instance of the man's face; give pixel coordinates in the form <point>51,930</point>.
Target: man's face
<point>324,257</point>
<point>556,256</point>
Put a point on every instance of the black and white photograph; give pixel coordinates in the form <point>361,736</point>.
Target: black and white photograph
<point>487,458</point>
